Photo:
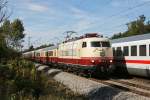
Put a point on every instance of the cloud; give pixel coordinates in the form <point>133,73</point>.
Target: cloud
<point>37,7</point>
<point>79,13</point>
<point>83,19</point>
<point>115,4</point>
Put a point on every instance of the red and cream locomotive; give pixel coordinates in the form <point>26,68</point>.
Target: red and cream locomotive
<point>90,52</point>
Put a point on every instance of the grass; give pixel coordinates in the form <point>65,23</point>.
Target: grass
<point>19,80</point>
<point>57,91</point>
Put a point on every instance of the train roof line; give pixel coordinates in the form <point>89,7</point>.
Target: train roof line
<point>132,38</point>
<point>87,35</point>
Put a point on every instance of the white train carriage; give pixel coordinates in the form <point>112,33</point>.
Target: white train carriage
<point>133,54</point>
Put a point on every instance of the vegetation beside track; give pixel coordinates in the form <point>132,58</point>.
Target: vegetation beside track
<point>19,80</point>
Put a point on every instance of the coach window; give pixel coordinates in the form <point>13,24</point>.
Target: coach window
<point>133,50</point>
<point>142,50</point>
<point>84,44</point>
<point>50,53</point>
<point>119,51</point>
<point>126,51</point>
<point>149,50</point>
<point>46,54</point>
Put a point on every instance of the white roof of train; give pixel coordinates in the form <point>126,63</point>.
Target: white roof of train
<point>132,38</point>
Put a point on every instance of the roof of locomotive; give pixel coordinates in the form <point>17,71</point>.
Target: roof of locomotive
<point>86,36</point>
<point>132,38</point>
<point>88,39</point>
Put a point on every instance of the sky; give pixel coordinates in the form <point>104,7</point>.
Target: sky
<point>46,21</point>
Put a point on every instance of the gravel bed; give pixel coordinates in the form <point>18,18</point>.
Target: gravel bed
<point>91,89</point>
<point>40,68</point>
<point>94,90</point>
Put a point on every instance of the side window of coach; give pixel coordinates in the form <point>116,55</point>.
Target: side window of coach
<point>149,50</point>
<point>133,50</point>
<point>118,51</point>
<point>84,44</point>
<point>126,51</point>
<point>142,50</point>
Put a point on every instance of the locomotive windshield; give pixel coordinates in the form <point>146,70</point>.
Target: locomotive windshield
<point>105,44</point>
<point>100,44</point>
<point>95,44</point>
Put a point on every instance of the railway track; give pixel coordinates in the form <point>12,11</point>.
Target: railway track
<point>140,79</point>
<point>126,86</point>
<point>131,85</point>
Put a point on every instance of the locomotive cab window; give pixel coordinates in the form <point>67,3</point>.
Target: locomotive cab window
<point>95,44</point>
<point>84,44</point>
<point>133,50</point>
<point>105,44</point>
<point>126,51</point>
<point>114,52</point>
<point>142,50</point>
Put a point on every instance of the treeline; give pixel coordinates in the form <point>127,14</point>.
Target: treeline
<point>19,79</point>
<point>11,37</point>
<point>136,27</point>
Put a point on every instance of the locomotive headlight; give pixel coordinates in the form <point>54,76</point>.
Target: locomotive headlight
<point>111,61</point>
<point>92,61</point>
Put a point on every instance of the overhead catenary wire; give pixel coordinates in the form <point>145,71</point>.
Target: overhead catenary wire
<point>116,27</point>
<point>109,18</point>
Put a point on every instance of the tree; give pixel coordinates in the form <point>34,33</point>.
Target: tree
<point>136,27</point>
<point>13,32</point>
<point>17,34</point>
<point>3,10</point>
<point>11,37</point>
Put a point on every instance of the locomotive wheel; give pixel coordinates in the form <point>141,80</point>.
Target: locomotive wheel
<point>101,72</point>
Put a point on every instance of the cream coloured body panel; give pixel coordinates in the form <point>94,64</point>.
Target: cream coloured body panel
<point>76,46</point>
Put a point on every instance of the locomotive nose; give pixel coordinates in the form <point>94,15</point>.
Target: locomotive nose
<point>100,51</point>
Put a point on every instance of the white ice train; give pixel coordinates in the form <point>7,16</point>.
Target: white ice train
<point>133,54</point>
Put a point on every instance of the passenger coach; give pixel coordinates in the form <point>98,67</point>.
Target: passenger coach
<point>132,54</point>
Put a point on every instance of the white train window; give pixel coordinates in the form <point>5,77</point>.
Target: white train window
<point>84,44</point>
<point>149,50</point>
<point>142,50</point>
<point>118,51</point>
<point>126,51</point>
<point>133,50</point>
